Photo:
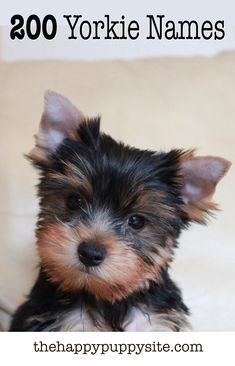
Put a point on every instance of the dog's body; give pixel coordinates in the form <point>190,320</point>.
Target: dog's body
<point>110,216</point>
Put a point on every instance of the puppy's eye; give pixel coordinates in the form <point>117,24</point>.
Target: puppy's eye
<point>73,202</point>
<point>137,222</point>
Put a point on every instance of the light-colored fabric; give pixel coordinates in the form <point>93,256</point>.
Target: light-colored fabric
<point>153,103</point>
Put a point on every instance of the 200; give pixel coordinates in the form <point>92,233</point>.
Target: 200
<point>33,27</point>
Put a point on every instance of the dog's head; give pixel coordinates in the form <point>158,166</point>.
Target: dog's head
<point>110,214</point>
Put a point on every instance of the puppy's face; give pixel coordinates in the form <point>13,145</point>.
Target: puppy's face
<point>110,214</point>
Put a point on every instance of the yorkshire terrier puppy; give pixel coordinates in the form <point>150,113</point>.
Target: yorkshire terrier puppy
<point>110,217</point>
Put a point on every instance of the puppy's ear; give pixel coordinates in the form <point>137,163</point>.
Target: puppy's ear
<point>60,120</point>
<point>200,177</point>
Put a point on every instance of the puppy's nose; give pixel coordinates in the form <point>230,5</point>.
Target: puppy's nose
<point>91,254</point>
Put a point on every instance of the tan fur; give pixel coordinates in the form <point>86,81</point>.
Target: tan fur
<point>39,155</point>
<point>122,272</point>
<point>198,211</point>
<point>147,199</point>
<point>187,155</point>
<point>78,179</point>
<point>73,177</point>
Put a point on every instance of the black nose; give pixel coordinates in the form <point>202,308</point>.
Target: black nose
<point>91,254</point>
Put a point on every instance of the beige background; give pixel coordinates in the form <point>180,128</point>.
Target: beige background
<point>156,103</point>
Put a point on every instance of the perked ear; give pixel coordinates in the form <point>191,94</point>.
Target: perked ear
<point>60,120</point>
<point>200,177</point>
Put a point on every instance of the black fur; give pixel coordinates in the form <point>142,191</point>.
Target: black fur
<point>116,172</point>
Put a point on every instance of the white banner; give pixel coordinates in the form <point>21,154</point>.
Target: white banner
<point>125,348</point>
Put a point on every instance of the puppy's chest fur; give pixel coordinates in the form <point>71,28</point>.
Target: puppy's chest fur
<point>160,308</point>
<point>80,320</point>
